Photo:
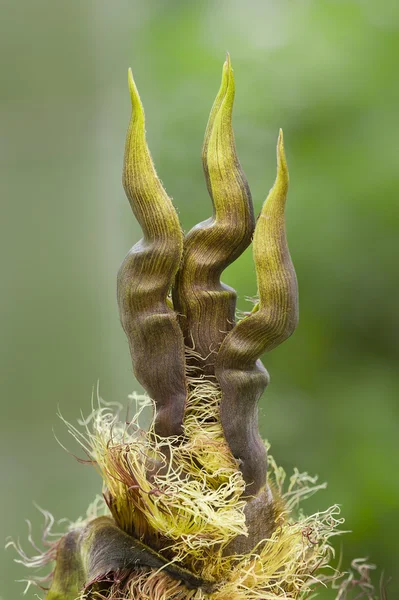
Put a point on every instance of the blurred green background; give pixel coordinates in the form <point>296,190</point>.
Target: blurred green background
<point>325,71</point>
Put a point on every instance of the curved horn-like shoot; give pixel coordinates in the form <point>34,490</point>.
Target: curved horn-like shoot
<point>241,375</point>
<point>206,305</point>
<point>145,278</point>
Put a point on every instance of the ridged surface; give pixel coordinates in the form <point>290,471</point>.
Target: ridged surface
<point>92,556</point>
<point>241,375</point>
<point>144,281</point>
<point>207,306</point>
<point>202,319</point>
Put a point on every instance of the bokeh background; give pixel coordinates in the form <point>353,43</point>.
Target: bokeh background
<point>325,71</point>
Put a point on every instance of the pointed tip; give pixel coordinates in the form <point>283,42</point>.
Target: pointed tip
<point>130,79</point>
<point>228,75</point>
<point>227,64</point>
<point>281,159</point>
<point>131,84</point>
<point>226,72</point>
<point>280,142</point>
<point>134,95</point>
<point>226,67</point>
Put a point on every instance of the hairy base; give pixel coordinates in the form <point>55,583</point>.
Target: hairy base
<point>183,497</point>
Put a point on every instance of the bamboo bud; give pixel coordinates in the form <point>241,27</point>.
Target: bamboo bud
<point>144,280</point>
<point>241,375</point>
<point>207,306</point>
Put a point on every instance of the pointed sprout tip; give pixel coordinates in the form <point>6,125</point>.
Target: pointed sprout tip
<point>130,79</point>
<point>281,160</point>
<point>228,74</point>
<point>227,68</point>
<point>134,95</point>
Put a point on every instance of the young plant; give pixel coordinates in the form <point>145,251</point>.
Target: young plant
<point>193,508</point>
